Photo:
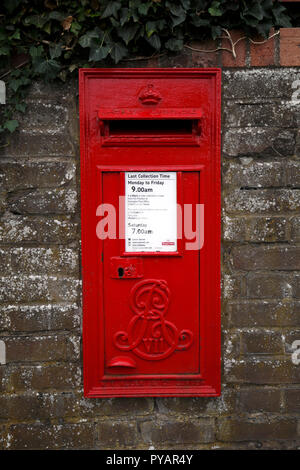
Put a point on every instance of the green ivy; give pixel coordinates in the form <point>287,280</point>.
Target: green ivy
<point>51,39</point>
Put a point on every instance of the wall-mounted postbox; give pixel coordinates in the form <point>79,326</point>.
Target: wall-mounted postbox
<point>150,173</point>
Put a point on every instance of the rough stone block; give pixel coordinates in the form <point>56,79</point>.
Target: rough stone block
<point>41,174</point>
<point>258,428</point>
<point>259,400</point>
<point>282,258</point>
<point>116,434</point>
<point>256,341</point>
<point>43,437</point>
<point>54,260</point>
<point>52,201</point>
<point>178,432</point>
<point>17,229</point>
<point>259,141</point>
<point>26,318</point>
<point>273,286</point>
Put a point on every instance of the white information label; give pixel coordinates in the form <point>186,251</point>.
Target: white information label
<point>151,211</point>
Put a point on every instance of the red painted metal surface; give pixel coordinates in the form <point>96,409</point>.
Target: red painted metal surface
<point>151,320</point>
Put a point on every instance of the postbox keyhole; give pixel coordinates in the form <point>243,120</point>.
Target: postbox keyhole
<point>121,272</point>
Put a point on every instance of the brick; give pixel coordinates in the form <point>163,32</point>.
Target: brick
<point>258,428</point>
<point>261,342</point>
<point>198,405</point>
<point>289,46</point>
<point>240,114</point>
<point>295,229</point>
<point>268,286</point>
<point>26,318</point>
<point>234,229</point>
<point>251,258</point>
<point>266,229</point>
<point>259,85</point>
<point>178,432</point>
<point>127,406</point>
<point>22,407</point>
<point>262,371</point>
<point>33,288</point>
<point>18,229</point>
<point>259,141</point>
<point>5,262</point>
<point>296,286</point>
<point>262,55</point>
<point>49,377</point>
<point>232,286</point>
<point>115,434</point>
<point>264,313</point>
<point>260,201</point>
<point>204,59</point>
<point>41,348</point>
<point>28,144</point>
<point>52,201</point>
<point>42,437</point>
<point>55,260</point>
<point>254,175</point>
<point>44,116</point>
<point>292,400</point>
<point>293,174</point>
<point>241,50</point>
<point>290,336</point>
<point>259,400</point>
<point>40,174</point>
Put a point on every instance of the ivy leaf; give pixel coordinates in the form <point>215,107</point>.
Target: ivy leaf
<point>111,10</point>
<point>98,53</point>
<point>57,15</point>
<point>256,11</point>
<point>124,16</point>
<point>87,39</point>
<point>75,28</point>
<point>48,68</point>
<point>174,44</point>
<point>128,33</point>
<point>11,125</point>
<point>37,20</point>
<point>118,52</point>
<point>154,41</point>
<point>36,51</point>
<point>143,8</point>
<point>11,5</point>
<point>214,10</point>
<point>55,50</point>
<point>4,50</point>
<point>150,28</point>
<point>21,107</point>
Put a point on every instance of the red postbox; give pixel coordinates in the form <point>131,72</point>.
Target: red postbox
<point>150,175</point>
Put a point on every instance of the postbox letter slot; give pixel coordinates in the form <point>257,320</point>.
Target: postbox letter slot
<point>151,126</point>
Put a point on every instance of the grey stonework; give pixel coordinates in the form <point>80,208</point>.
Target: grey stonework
<point>41,397</point>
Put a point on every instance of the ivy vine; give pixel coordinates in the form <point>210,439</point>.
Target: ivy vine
<point>51,39</point>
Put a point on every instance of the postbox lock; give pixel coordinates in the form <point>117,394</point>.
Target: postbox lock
<point>126,268</point>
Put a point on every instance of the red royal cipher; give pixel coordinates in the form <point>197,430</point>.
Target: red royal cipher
<point>150,169</point>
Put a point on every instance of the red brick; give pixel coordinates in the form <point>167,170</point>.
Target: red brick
<point>241,50</point>
<point>290,46</point>
<point>205,59</point>
<point>262,54</point>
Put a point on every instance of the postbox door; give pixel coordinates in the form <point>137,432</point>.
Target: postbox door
<point>151,298</point>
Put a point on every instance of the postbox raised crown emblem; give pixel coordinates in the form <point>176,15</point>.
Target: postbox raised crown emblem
<point>149,95</point>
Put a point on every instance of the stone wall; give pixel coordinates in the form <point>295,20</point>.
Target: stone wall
<point>41,396</point>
